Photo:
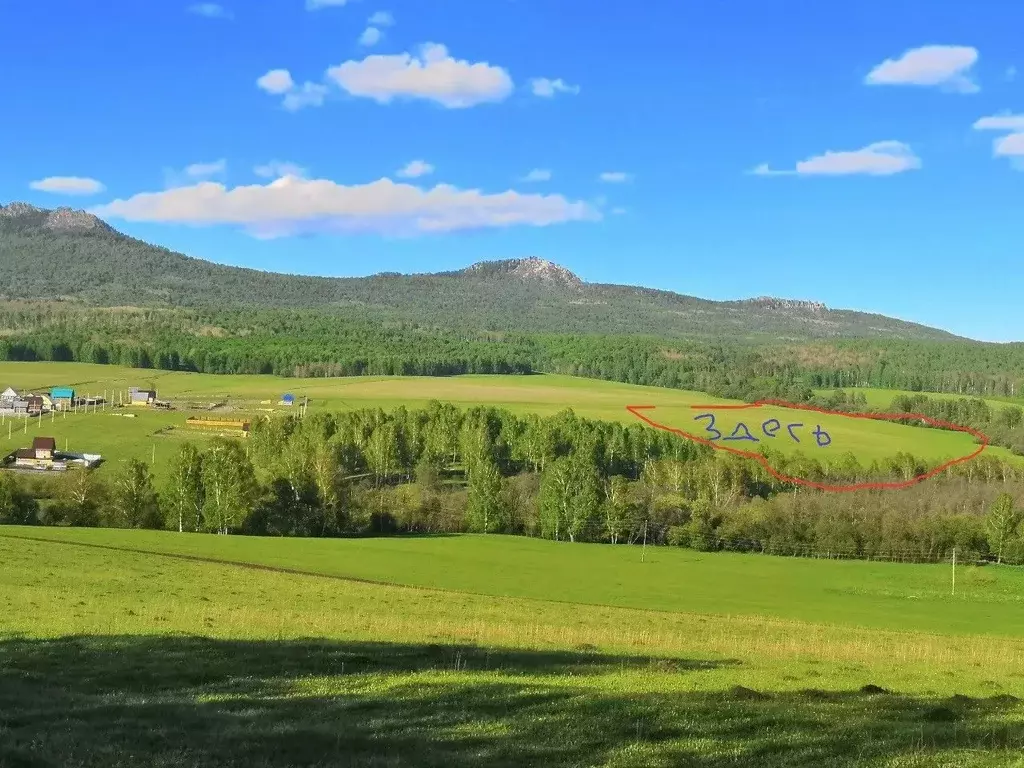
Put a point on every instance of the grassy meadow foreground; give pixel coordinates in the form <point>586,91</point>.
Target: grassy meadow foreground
<point>152,434</point>
<point>137,648</point>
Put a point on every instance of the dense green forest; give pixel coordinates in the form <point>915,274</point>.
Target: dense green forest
<point>72,255</point>
<point>313,343</point>
<point>442,469</point>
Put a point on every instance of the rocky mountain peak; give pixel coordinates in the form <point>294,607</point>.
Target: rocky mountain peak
<point>531,268</point>
<point>18,209</point>
<point>27,217</point>
<point>72,218</point>
<point>773,302</point>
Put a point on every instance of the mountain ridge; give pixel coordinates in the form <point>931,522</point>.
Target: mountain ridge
<point>69,254</point>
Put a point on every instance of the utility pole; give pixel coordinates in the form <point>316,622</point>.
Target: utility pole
<point>954,571</point>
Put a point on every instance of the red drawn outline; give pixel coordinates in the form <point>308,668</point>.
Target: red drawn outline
<point>635,410</point>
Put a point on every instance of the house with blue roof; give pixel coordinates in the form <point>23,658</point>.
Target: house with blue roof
<point>63,398</point>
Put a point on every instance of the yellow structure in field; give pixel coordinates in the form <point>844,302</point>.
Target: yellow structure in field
<point>200,422</point>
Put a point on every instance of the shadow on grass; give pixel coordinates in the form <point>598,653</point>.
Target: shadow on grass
<point>190,701</point>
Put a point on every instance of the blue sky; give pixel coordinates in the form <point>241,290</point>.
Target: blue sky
<point>867,155</point>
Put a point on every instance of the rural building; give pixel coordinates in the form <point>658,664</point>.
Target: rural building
<point>44,447</point>
<point>63,398</point>
<point>42,455</point>
<point>7,398</point>
<point>47,402</point>
<point>288,399</point>
<point>34,405</point>
<point>141,396</point>
<point>20,405</point>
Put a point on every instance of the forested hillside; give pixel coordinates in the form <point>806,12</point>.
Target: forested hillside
<point>72,255</point>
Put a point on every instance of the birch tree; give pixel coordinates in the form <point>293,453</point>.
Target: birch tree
<point>185,491</point>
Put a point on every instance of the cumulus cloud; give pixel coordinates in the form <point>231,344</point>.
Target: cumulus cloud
<point>275,169</point>
<point>615,177</point>
<point>538,174</point>
<point>204,170</point>
<point>1010,74</point>
<point>316,5</point>
<point>290,205</point>
<point>276,82</point>
<point>432,74</point>
<point>1010,145</point>
<point>545,88</point>
<point>67,185</point>
<point>279,82</point>
<point>381,19</point>
<point>945,66</point>
<point>370,36</point>
<point>415,169</point>
<point>883,158</point>
<point>210,10</point>
<point>1003,122</point>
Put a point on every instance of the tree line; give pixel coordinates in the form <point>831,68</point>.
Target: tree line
<point>486,470</point>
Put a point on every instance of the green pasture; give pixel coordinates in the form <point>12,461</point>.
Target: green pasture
<point>118,438</point>
<point>882,398</point>
<point>117,650</point>
<point>887,595</point>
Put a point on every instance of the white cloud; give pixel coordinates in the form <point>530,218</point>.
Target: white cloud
<point>415,169</point>
<point>618,211</point>
<point>67,185</point>
<point>1010,146</point>
<point>204,170</point>
<point>210,11</point>
<point>883,158</point>
<point>432,75</point>
<point>381,19</point>
<point>615,177</point>
<point>538,174</point>
<point>275,169</point>
<point>307,95</point>
<point>370,36</point>
<point>1010,74</point>
<point>945,66</point>
<point>279,82</point>
<point>294,206</point>
<point>542,86</point>
<point>1004,122</point>
<point>316,5</point>
<point>276,82</point>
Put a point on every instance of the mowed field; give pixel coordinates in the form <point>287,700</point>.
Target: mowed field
<point>126,648</point>
<point>118,438</point>
<point>882,398</point>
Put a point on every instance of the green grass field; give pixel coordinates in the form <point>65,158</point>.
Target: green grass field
<point>118,438</point>
<point>135,648</point>
<point>882,398</point>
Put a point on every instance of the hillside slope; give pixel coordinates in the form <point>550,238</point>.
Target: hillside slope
<point>70,254</point>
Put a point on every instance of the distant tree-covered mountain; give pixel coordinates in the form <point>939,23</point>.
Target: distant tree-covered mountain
<point>72,255</point>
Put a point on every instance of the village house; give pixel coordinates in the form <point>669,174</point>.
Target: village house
<point>138,396</point>
<point>63,398</point>
<point>42,455</point>
<point>34,405</point>
<point>7,398</point>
